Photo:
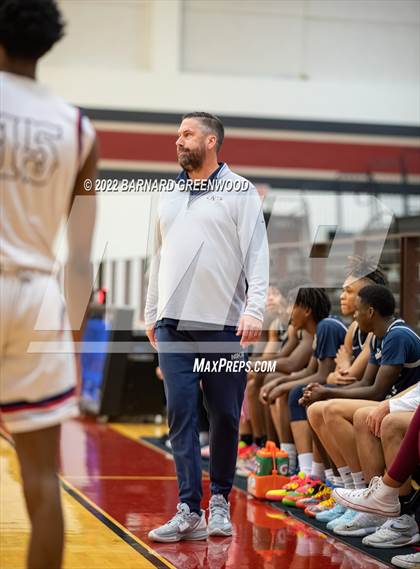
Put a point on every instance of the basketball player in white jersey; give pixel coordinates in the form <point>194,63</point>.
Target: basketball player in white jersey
<point>46,152</point>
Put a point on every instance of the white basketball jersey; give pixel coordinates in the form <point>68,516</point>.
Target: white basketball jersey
<point>42,147</point>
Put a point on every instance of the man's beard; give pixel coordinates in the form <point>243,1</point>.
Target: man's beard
<point>192,159</point>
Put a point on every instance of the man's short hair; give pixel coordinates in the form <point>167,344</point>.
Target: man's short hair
<point>212,123</point>
<point>29,28</point>
<point>380,298</point>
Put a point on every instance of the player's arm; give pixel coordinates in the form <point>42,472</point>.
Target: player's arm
<point>381,380</point>
<point>304,373</point>
<point>344,353</point>
<point>324,367</point>
<point>284,384</point>
<point>356,370</point>
<point>291,343</point>
<point>80,229</point>
<point>393,356</point>
<point>299,358</point>
<point>271,349</point>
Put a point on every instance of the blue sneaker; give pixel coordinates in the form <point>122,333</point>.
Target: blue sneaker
<point>346,518</point>
<point>331,514</point>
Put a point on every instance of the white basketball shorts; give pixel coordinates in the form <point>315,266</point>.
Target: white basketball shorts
<point>37,389</point>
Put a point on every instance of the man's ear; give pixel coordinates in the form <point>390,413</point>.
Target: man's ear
<point>211,141</point>
<point>371,312</point>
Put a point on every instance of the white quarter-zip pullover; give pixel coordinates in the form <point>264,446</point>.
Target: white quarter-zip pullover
<point>208,250</point>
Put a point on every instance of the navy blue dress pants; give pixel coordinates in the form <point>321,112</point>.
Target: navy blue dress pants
<point>223,393</point>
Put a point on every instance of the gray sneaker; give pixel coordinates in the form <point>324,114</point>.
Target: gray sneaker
<point>395,532</point>
<point>410,561</point>
<point>219,516</point>
<point>184,525</point>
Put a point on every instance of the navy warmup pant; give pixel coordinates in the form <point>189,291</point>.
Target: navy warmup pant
<point>223,395</point>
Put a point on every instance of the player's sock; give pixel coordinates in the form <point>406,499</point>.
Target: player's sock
<point>358,480</point>
<point>305,462</point>
<point>346,477</point>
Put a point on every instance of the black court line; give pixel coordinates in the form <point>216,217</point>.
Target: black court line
<point>266,123</point>
<point>120,532</point>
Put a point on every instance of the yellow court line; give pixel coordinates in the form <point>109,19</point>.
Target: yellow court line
<point>114,521</point>
<point>87,477</point>
<point>91,540</point>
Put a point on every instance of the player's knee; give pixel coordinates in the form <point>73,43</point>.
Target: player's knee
<point>359,418</point>
<point>391,428</point>
<point>333,409</point>
<point>314,412</point>
<point>40,487</point>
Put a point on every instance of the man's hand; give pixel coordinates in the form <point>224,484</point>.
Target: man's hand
<point>150,333</point>
<point>376,416</point>
<point>249,329</point>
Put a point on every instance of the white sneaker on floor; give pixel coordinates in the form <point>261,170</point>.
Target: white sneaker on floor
<point>410,561</point>
<point>395,532</point>
<point>185,525</point>
<point>375,499</point>
<point>219,516</point>
<point>362,524</point>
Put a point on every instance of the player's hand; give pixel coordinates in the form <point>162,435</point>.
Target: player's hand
<point>332,378</point>
<point>311,386</point>
<point>150,333</point>
<point>305,400</point>
<point>317,393</point>
<point>267,387</point>
<point>342,358</point>
<point>376,416</point>
<point>342,379</point>
<point>249,329</point>
<point>279,391</point>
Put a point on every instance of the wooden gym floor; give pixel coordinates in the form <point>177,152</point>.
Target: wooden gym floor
<point>116,488</point>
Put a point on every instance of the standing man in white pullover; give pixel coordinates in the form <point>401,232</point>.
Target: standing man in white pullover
<point>206,299</point>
